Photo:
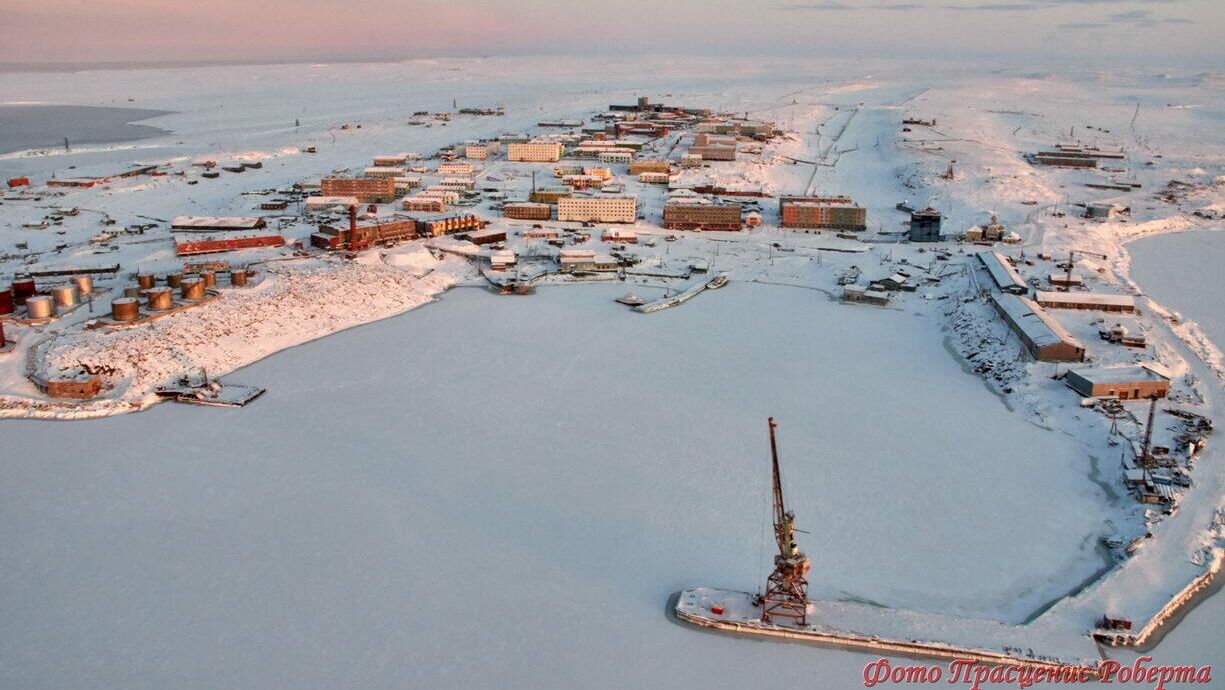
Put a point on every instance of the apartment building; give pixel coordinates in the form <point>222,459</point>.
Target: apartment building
<point>613,209</point>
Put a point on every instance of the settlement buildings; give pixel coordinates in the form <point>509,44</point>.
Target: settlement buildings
<point>534,152</point>
<point>527,210</point>
<point>806,213</point>
<point>368,190</point>
<point>612,209</point>
<point>693,215</point>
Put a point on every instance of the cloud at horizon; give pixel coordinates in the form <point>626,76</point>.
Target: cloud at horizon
<point>156,30</point>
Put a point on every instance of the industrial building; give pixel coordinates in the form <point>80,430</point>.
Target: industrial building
<point>1043,336</point>
<point>368,190</point>
<point>692,215</point>
<point>356,236</point>
<point>1063,160</point>
<point>487,236</point>
<point>534,152</point>
<point>208,244</point>
<point>925,225</point>
<point>527,210</point>
<point>1124,383</point>
<point>1086,300</point>
<point>821,213</point>
<point>447,224</point>
<point>1003,273</point>
<point>215,224</point>
<point>550,195</point>
<point>613,209</point>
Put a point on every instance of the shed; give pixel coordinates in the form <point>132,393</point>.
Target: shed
<point>1125,383</point>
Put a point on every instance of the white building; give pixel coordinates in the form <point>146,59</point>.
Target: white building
<point>458,183</point>
<point>534,152</point>
<point>502,260</point>
<point>616,156</point>
<point>384,171</point>
<point>456,168</point>
<point>325,203</point>
<point>608,209</point>
<point>654,177</point>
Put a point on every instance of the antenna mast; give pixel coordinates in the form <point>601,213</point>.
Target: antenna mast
<point>786,588</point>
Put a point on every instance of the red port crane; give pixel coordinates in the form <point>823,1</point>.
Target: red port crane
<point>786,595</point>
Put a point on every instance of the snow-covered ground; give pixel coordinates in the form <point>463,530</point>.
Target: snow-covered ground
<point>494,484</point>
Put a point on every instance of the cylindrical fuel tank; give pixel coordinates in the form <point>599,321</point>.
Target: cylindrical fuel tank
<point>132,292</point>
<point>6,301</point>
<point>125,309</point>
<point>161,298</point>
<point>145,280</point>
<point>193,288</point>
<point>174,280</point>
<point>209,277</point>
<point>40,306</point>
<point>65,295</point>
<point>84,284</point>
<point>238,277</point>
<point>23,288</point>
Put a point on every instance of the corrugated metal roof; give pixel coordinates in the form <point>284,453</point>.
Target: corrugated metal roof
<point>1039,327</point>
<point>1002,272</point>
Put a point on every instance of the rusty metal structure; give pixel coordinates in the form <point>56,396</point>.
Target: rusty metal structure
<point>786,597</point>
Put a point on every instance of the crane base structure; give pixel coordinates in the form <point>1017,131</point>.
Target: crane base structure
<point>887,631</point>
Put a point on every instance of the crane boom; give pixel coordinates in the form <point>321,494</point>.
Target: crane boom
<point>780,510</point>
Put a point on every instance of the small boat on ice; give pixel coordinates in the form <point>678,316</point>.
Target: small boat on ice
<point>629,299</point>
<point>718,282</point>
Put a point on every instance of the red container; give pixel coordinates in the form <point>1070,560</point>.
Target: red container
<point>6,301</point>
<point>19,182</point>
<point>717,610</point>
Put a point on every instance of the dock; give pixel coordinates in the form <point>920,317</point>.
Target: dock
<point>891,631</point>
<point>213,393</point>
<point>681,298</point>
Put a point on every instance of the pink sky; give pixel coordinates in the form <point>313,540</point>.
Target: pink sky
<point>153,30</point>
